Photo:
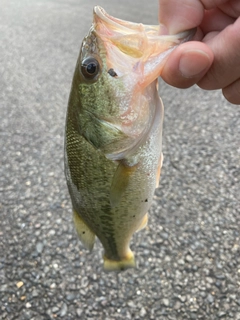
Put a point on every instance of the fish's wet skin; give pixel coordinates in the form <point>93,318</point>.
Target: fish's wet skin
<point>113,141</point>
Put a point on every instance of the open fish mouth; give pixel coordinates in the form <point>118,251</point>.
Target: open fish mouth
<point>132,38</point>
<point>144,45</point>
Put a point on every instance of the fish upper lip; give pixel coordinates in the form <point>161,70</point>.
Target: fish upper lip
<point>104,16</point>
<point>127,27</point>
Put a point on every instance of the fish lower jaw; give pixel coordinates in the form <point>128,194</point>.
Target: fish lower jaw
<point>120,265</point>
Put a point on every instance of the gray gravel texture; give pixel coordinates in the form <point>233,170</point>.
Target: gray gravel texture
<point>188,257</point>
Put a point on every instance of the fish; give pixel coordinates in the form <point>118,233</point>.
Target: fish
<point>113,136</point>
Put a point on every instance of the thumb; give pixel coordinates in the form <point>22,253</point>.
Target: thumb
<point>187,64</point>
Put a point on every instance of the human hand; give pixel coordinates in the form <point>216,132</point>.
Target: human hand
<point>212,60</point>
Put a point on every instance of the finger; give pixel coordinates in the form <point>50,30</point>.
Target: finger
<point>179,16</point>
<point>183,15</point>
<point>187,64</point>
<point>231,8</point>
<point>226,66</point>
<point>232,92</point>
<point>215,20</point>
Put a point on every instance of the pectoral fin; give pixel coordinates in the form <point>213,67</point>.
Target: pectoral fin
<point>86,236</point>
<point>159,170</point>
<point>120,182</point>
<point>143,223</point>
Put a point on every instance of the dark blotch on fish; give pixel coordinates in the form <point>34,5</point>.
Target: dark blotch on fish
<point>112,72</point>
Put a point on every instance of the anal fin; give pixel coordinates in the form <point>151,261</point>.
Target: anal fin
<point>120,182</point>
<point>86,236</point>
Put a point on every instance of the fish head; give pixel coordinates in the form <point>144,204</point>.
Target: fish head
<point>117,72</point>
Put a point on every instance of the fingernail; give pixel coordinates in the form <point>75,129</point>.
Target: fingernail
<point>193,63</point>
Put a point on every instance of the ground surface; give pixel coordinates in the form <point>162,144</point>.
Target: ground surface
<point>188,258</point>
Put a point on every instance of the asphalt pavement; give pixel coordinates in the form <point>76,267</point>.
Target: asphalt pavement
<point>188,259</point>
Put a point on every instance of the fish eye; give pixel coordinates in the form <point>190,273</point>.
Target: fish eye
<point>90,68</point>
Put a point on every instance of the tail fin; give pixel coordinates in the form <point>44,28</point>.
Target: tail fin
<point>119,265</point>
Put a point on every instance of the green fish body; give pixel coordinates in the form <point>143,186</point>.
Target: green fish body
<point>113,142</point>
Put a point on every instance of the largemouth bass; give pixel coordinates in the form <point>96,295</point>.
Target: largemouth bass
<point>113,143</point>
